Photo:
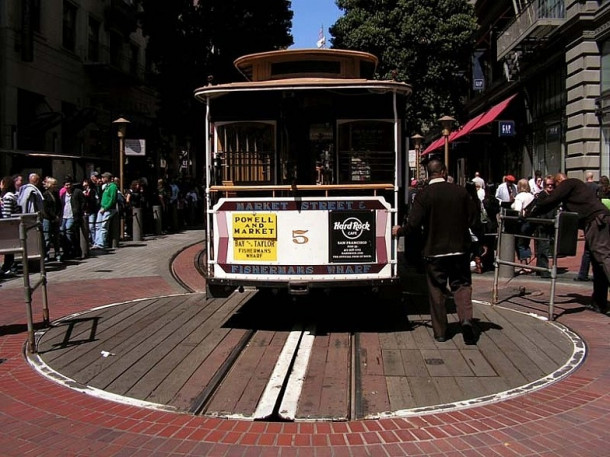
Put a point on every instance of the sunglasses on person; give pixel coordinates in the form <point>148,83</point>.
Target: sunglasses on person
<point>549,185</point>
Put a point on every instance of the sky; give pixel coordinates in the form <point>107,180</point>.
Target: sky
<point>309,17</point>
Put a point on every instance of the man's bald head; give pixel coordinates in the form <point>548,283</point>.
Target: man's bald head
<point>34,179</point>
<point>560,177</point>
<point>436,169</point>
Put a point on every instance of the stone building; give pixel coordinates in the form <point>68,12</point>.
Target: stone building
<point>68,68</point>
<point>549,60</point>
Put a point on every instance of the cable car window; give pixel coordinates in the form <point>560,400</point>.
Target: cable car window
<point>305,66</point>
<point>366,152</point>
<point>246,151</point>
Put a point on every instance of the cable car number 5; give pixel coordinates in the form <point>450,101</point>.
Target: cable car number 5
<point>298,237</point>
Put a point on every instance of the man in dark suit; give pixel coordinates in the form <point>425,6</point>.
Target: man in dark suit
<point>445,212</point>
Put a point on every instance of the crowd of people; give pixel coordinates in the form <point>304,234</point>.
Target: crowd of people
<point>452,228</point>
<point>518,195</point>
<point>78,217</point>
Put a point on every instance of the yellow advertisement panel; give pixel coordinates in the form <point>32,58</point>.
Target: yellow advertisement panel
<point>254,250</point>
<point>255,226</point>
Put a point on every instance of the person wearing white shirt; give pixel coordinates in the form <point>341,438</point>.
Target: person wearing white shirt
<point>536,183</point>
<point>507,191</point>
<point>480,191</point>
<point>478,180</point>
<point>523,198</point>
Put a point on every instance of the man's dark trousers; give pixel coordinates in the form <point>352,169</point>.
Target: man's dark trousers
<point>456,270</point>
<point>597,235</point>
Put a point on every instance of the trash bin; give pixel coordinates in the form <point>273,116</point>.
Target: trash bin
<point>507,242</point>
<point>136,224</point>
<point>507,254</point>
<point>115,229</point>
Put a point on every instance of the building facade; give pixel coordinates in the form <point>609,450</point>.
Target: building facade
<point>553,57</point>
<point>68,69</point>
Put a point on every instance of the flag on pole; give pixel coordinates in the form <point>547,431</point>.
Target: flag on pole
<point>321,43</point>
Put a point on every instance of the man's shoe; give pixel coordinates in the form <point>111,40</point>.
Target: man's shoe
<point>440,339</point>
<point>596,308</point>
<point>468,333</point>
<point>578,278</point>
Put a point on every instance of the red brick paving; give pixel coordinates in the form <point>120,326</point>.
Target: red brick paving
<point>39,417</point>
<point>184,268</point>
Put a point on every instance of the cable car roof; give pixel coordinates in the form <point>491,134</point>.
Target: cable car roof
<point>305,69</point>
<point>374,86</point>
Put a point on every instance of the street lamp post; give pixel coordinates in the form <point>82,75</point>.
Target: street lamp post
<point>446,124</point>
<point>417,140</point>
<point>121,123</point>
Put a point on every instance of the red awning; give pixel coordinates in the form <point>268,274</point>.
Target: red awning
<point>475,123</point>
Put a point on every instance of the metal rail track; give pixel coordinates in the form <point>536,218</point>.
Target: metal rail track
<point>280,399</point>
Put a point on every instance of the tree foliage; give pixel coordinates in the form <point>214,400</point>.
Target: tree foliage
<point>190,40</point>
<point>426,43</point>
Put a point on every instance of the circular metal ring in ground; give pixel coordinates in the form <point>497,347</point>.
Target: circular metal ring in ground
<point>47,364</point>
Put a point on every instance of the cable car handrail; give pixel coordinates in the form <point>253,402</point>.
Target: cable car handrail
<point>301,187</point>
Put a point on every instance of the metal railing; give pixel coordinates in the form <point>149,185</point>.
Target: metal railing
<point>563,242</point>
<point>14,239</point>
<point>538,20</point>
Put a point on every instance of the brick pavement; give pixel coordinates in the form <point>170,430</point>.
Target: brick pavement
<point>38,417</point>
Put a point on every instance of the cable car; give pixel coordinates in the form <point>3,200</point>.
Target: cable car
<point>304,165</point>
